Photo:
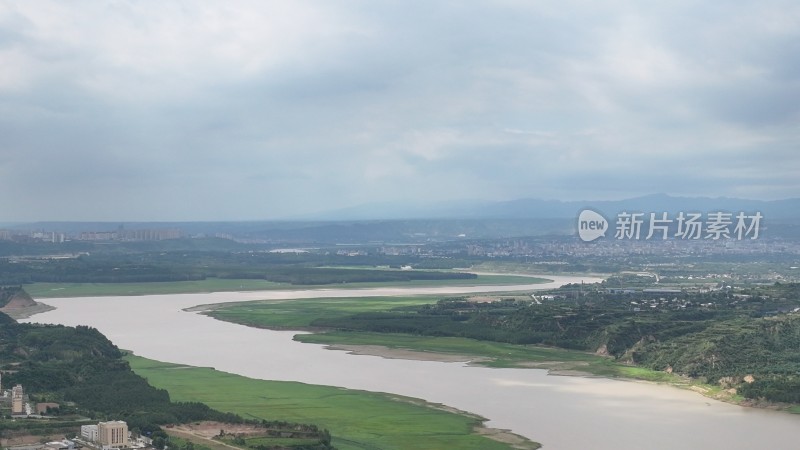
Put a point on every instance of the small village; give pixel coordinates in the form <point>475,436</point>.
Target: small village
<point>15,404</point>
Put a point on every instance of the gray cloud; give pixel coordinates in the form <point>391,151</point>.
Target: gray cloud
<point>254,110</point>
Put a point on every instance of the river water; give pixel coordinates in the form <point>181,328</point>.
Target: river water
<point>560,412</point>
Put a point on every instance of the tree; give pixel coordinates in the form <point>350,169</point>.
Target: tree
<point>159,442</point>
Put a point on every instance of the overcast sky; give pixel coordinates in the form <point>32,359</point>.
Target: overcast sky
<point>226,110</point>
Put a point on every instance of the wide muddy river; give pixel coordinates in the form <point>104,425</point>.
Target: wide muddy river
<point>561,412</point>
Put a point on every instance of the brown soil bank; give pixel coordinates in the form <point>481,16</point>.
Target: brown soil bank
<point>15,302</point>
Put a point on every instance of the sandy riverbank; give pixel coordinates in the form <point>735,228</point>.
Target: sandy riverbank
<point>403,353</point>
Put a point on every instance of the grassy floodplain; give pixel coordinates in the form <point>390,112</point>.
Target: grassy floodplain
<point>45,290</point>
<point>485,353</point>
<point>357,420</point>
<point>301,314</point>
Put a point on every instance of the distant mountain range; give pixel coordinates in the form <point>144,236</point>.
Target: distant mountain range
<point>393,222</point>
<point>554,209</point>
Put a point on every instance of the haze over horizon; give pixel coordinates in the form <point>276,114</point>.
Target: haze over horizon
<point>250,110</point>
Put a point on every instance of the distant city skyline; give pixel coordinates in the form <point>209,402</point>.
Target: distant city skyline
<point>248,110</point>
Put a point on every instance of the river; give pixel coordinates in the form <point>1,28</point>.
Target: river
<point>561,412</point>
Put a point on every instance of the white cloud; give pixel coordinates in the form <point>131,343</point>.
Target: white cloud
<point>298,106</point>
<point>133,49</point>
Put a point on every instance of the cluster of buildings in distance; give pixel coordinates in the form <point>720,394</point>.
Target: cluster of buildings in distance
<point>120,234</point>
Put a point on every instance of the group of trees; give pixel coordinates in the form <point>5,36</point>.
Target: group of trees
<point>79,367</point>
<point>314,438</point>
<point>713,336</point>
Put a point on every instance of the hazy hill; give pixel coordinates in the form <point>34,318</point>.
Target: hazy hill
<point>531,208</point>
<point>407,222</point>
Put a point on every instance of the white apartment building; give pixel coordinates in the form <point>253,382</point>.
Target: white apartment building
<point>17,400</point>
<point>89,432</point>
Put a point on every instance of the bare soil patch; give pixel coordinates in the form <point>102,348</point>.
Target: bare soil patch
<point>203,433</point>
<point>24,310</point>
<point>208,429</point>
<point>402,353</point>
<point>16,439</point>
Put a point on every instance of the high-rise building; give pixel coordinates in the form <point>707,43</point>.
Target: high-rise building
<point>112,434</point>
<point>89,432</point>
<point>17,400</point>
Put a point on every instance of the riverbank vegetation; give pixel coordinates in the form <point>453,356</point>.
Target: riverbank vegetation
<point>357,420</point>
<point>49,290</point>
<point>45,290</point>
<point>86,376</point>
<point>309,314</point>
<point>741,343</point>
<point>303,313</point>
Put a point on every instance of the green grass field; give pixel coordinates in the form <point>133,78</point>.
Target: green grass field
<point>497,354</point>
<point>357,420</point>
<point>45,290</point>
<point>298,314</point>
